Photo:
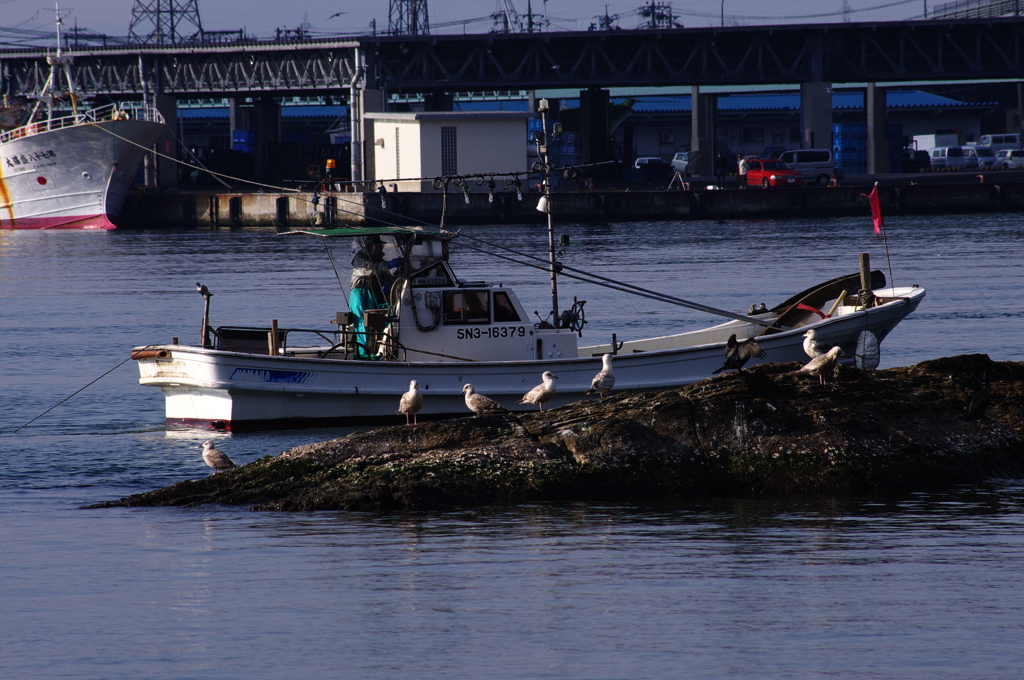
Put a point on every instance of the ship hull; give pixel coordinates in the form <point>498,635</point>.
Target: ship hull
<point>74,177</point>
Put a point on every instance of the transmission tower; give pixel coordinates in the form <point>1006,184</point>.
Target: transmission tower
<point>165,22</point>
<point>408,17</point>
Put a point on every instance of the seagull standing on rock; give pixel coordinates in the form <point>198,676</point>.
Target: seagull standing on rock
<point>411,402</point>
<point>823,364</point>
<point>812,346</point>
<point>541,394</point>
<point>604,381</point>
<point>480,404</point>
<point>739,353</point>
<point>218,460</point>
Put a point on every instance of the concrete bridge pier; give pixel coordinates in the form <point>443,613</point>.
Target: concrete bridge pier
<point>878,145</point>
<point>816,115</point>
<point>703,110</point>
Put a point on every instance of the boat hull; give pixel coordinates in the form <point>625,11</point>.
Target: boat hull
<point>74,177</point>
<point>217,389</point>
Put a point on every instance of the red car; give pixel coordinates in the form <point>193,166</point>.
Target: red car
<point>769,172</point>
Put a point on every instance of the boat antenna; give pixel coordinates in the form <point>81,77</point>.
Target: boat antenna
<point>545,203</point>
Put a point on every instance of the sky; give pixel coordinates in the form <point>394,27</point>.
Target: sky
<point>262,17</point>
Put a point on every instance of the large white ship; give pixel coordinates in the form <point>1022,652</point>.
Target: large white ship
<point>70,169</point>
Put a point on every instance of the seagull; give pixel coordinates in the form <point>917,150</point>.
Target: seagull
<point>479,404</point>
<point>739,353</point>
<point>812,347</point>
<point>823,364</point>
<point>216,459</point>
<point>604,381</point>
<point>411,402</point>
<point>541,394</point>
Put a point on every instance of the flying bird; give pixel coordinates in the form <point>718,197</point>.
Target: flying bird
<point>480,404</point>
<point>411,402</point>
<point>739,353</point>
<point>812,346</point>
<point>216,459</point>
<point>823,364</point>
<point>604,381</point>
<point>541,394</point>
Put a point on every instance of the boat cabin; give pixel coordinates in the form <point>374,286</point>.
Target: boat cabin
<point>432,315</point>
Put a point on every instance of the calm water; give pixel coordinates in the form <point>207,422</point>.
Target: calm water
<point>928,586</point>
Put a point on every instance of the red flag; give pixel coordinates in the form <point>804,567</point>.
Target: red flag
<point>876,209</point>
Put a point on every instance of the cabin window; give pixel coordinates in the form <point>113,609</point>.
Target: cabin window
<point>504,310</point>
<point>466,306</point>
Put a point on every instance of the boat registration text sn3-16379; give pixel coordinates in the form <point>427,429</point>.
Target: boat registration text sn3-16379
<point>492,332</point>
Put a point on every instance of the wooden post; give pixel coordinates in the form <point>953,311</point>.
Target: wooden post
<point>272,338</point>
<point>206,321</point>
<point>867,298</point>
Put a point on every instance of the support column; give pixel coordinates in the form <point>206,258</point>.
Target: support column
<point>168,170</point>
<point>816,115</point>
<point>266,128</point>
<point>878,145</point>
<point>703,108</point>
<point>594,126</point>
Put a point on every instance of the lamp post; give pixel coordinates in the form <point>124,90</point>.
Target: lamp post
<point>723,13</point>
<point>545,205</point>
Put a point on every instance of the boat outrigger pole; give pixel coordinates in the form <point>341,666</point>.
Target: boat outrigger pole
<point>545,206</point>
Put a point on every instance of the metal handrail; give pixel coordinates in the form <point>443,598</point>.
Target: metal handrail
<point>101,114</point>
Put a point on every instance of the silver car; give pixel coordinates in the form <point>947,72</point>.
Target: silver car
<point>1010,159</point>
<point>986,158</point>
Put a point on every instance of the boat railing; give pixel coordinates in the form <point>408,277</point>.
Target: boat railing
<point>109,112</point>
<point>290,341</point>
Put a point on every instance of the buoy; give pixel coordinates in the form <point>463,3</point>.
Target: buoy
<point>868,354</point>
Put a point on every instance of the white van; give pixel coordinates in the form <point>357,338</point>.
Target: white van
<point>816,165</point>
<point>946,157</point>
<point>997,142</point>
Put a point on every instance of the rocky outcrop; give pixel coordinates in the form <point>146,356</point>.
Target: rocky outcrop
<point>765,431</point>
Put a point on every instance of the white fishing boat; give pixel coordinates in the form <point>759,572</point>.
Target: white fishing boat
<point>445,332</point>
<point>70,168</point>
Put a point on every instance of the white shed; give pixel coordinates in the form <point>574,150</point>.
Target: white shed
<point>432,144</point>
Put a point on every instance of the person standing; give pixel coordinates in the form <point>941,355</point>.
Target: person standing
<point>720,169</point>
<point>371,280</point>
<point>742,173</point>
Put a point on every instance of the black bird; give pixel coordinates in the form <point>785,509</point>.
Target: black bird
<point>203,290</point>
<point>739,353</point>
<point>976,409</point>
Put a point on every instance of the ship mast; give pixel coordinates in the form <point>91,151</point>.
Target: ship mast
<point>545,206</point>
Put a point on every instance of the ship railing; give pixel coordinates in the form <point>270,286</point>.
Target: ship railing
<point>100,114</point>
<point>335,344</point>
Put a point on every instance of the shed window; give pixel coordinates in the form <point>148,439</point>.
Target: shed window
<point>449,151</point>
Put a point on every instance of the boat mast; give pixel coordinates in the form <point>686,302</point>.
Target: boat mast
<point>545,206</point>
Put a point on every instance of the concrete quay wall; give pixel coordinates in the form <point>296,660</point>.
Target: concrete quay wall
<point>213,209</point>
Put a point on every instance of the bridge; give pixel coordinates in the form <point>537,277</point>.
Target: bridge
<point>813,56</point>
<point>954,49</point>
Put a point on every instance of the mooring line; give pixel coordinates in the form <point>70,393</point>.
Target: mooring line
<point>130,357</point>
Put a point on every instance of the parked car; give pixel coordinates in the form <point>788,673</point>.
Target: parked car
<point>644,161</point>
<point>946,157</point>
<point>971,160</point>
<point>682,162</point>
<point>768,172</point>
<point>999,142</point>
<point>816,165</point>
<point>1010,159</point>
<point>986,157</point>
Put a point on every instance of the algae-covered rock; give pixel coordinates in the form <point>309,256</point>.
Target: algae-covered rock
<point>765,431</point>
